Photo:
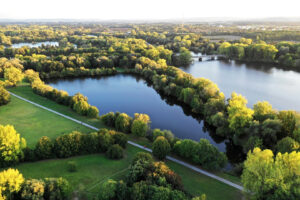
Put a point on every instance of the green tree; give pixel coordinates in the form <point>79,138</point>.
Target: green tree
<point>140,124</point>
<point>288,145</point>
<point>161,147</point>
<point>263,110</point>
<point>266,177</point>
<point>239,116</point>
<point>44,148</point>
<point>108,190</point>
<point>288,119</point>
<point>123,123</point>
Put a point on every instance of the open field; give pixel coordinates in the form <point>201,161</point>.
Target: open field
<point>33,122</point>
<point>92,169</point>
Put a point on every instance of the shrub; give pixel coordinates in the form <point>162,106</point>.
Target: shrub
<point>115,152</point>
<point>142,156</point>
<point>123,123</point>
<point>68,145</point>
<point>44,148</point>
<point>109,119</point>
<point>93,112</point>
<point>72,166</point>
<point>161,147</point>
<point>32,189</point>
<point>56,188</point>
<point>4,96</point>
<point>120,138</point>
<point>105,140</point>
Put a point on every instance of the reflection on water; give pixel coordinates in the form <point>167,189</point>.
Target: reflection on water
<point>257,82</point>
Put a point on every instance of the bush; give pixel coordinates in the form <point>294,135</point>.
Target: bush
<point>93,112</point>
<point>109,119</point>
<point>44,148</point>
<point>32,189</point>
<point>72,166</point>
<point>105,140</point>
<point>142,156</point>
<point>161,147</point>
<point>123,123</point>
<point>4,96</point>
<point>121,139</point>
<point>115,152</point>
<point>56,188</point>
<point>68,145</point>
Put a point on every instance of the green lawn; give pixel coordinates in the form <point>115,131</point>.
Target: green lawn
<point>33,122</point>
<point>197,184</point>
<point>26,92</point>
<point>92,169</point>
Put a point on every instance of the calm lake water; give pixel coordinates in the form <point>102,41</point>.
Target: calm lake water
<point>129,94</point>
<point>256,82</point>
<point>31,45</point>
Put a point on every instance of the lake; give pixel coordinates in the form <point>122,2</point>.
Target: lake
<point>31,45</point>
<point>129,94</point>
<point>256,82</point>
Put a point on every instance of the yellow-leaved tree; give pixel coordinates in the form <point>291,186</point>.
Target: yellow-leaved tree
<point>11,181</point>
<point>13,75</point>
<point>11,145</point>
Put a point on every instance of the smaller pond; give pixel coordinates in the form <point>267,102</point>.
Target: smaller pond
<point>32,45</point>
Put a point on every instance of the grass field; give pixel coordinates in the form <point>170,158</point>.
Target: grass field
<point>33,122</point>
<point>92,169</point>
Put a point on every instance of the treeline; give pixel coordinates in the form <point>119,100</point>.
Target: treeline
<point>14,150</point>
<point>146,179</point>
<point>13,186</point>
<point>286,54</point>
<point>164,142</point>
<point>78,102</point>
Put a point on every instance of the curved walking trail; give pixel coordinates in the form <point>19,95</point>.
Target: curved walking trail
<point>139,146</point>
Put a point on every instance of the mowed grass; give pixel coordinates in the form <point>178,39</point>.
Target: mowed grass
<point>33,122</point>
<point>27,93</point>
<point>92,169</point>
<point>197,184</point>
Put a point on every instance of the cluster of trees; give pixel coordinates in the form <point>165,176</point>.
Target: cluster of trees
<point>266,176</point>
<point>13,186</point>
<point>286,54</point>
<point>202,152</point>
<point>146,179</point>
<point>164,142</point>
<point>138,126</point>
<point>78,102</point>
<point>104,141</point>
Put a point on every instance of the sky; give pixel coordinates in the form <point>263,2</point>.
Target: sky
<point>147,9</point>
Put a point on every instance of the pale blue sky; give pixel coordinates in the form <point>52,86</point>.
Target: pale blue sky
<point>150,9</point>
